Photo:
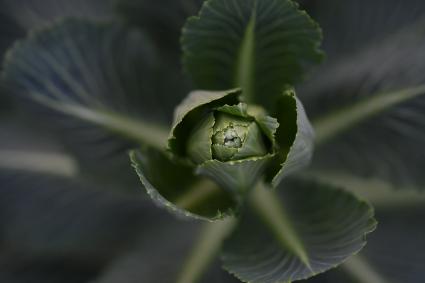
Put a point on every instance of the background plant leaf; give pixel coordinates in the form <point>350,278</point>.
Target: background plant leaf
<point>84,77</point>
<point>162,24</point>
<point>231,42</point>
<point>162,21</point>
<point>30,14</point>
<point>394,250</point>
<point>329,226</point>
<point>375,52</point>
<point>55,226</point>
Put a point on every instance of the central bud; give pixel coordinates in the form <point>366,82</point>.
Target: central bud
<point>231,138</point>
<point>226,140</point>
<point>235,137</point>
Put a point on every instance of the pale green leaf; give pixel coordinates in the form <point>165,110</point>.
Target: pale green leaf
<point>199,143</point>
<point>187,115</point>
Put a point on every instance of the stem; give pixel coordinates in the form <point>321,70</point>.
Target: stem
<point>141,131</point>
<point>268,206</point>
<point>205,250</point>
<point>245,64</point>
<point>342,120</point>
<point>380,193</point>
<point>360,270</point>
<point>201,191</point>
<point>39,162</point>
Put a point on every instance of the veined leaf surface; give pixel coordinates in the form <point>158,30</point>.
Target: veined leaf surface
<point>304,230</point>
<point>258,45</point>
<point>367,102</point>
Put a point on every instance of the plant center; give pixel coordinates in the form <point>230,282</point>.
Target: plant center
<point>231,138</point>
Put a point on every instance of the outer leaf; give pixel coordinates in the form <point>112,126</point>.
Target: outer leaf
<point>163,20</point>
<point>58,68</point>
<point>395,251</point>
<point>61,218</point>
<point>368,110</point>
<point>308,229</point>
<point>181,192</point>
<point>97,87</point>
<point>236,176</point>
<point>233,42</point>
<point>26,150</point>
<point>295,136</point>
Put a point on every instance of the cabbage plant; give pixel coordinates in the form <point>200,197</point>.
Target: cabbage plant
<point>227,142</point>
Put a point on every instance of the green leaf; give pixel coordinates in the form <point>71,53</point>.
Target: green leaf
<point>237,176</point>
<point>234,41</point>
<point>67,218</point>
<point>395,249</point>
<point>392,254</point>
<point>304,230</point>
<point>91,78</point>
<point>295,136</point>
<point>346,118</point>
<point>368,110</point>
<point>175,187</point>
<point>199,144</point>
<point>378,192</point>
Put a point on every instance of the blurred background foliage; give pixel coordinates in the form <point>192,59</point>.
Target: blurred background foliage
<point>61,222</point>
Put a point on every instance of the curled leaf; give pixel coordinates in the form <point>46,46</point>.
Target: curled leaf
<point>181,191</point>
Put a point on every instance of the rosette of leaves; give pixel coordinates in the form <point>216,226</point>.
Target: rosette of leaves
<point>229,141</point>
<point>232,146</point>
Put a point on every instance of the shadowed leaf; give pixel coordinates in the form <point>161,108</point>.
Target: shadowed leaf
<point>309,229</point>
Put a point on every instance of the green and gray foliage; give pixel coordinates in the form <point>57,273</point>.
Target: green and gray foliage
<point>251,154</point>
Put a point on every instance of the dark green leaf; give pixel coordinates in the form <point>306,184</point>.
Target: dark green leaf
<point>175,187</point>
<point>237,176</point>
<point>97,86</point>
<point>306,229</point>
<point>367,102</point>
<point>89,72</point>
<point>258,45</point>
<point>395,250</point>
<point>46,216</point>
<point>295,137</point>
